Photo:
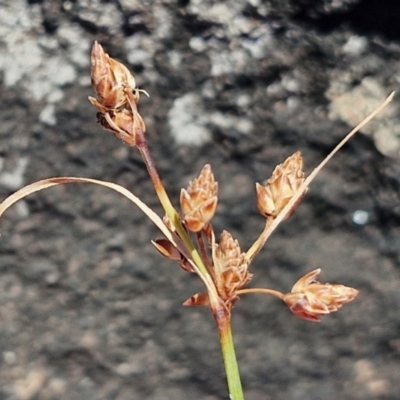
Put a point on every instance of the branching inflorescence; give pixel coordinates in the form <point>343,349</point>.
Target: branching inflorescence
<point>189,238</point>
<point>226,266</point>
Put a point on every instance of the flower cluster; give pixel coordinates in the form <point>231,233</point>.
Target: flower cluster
<point>188,235</point>
<point>117,97</point>
<point>310,299</point>
<point>199,200</point>
<point>281,186</point>
<point>230,266</point>
<point>222,266</point>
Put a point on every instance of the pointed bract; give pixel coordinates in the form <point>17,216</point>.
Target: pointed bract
<point>168,250</point>
<point>198,299</point>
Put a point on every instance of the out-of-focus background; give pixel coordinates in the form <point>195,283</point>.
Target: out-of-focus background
<point>88,309</point>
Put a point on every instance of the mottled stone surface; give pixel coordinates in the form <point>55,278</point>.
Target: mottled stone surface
<point>88,309</point>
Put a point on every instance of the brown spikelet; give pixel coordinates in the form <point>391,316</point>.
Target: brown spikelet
<point>123,124</point>
<point>279,189</point>
<point>230,267</point>
<point>110,80</point>
<point>117,97</point>
<point>310,299</point>
<point>199,201</point>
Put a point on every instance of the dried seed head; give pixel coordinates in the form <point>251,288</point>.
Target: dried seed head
<point>123,124</point>
<point>280,188</point>
<point>199,201</point>
<point>110,79</point>
<point>310,299</point>
<point>230,267</point>
<point>117,97</point>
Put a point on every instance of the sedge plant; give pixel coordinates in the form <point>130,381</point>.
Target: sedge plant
<point>188,236</point>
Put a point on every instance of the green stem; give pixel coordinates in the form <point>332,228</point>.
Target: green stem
<point>169,209</point>
<point>221,313</point>
<point>223,319</point>
<point>259,243</point>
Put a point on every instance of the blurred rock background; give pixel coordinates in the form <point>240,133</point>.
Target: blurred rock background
<point>88,309</point>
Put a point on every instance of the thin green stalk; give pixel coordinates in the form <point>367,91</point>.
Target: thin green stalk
<point>259,243</point>
<point>223,319</point>
<point>221,314</point>
<point>169,209</point>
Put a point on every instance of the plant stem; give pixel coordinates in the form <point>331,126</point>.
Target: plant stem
<point>271,292</point>
<point>259,243</point>
<point>203,252</point>
<point>223,319</point>
<point>169,209</point>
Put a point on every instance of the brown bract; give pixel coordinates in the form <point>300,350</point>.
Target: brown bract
<point>280,188</point>
<point>168,250</point>
<point>310,299</point>
<point>199,201</point>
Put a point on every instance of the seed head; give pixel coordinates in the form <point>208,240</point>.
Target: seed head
<point>110,79</point>
<point>123,124</point>
<point>280,188</point>
<point>117,97</point>
<point>230,267</point>
<point>310,299</point>
<point>199,201</point>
